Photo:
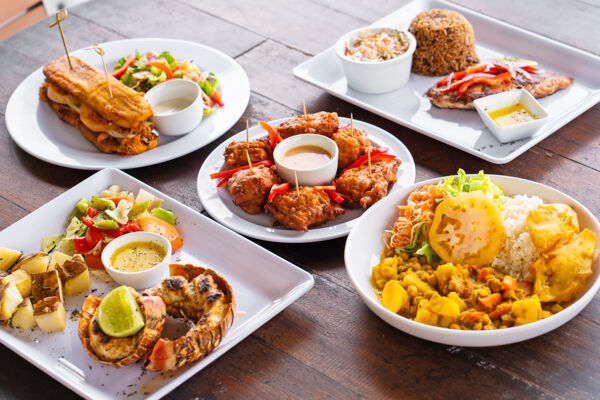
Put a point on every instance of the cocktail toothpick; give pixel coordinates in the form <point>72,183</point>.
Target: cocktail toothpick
<point>247,136</point>
<point>304,109</point>
<point>99,50</point>
<point>297,187</point>
<point>249,161</point>
<point>60,17</point>
<point>351,123</point>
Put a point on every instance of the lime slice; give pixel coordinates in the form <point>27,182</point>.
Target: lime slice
<point>521,62</point>
<point>119,314</point>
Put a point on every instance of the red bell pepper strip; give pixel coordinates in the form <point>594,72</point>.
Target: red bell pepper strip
<point>118,73</point>
<point>278,188</point>
<point>163,66</point>
<point>530,68</point>
<point>457,76</point>
<point>91,212</point>
<point>365,158</point>
<point>503,77</point>
<point>85,243</point>
<point>273,136</point>
<point>230,172</point>
<point>223,182</point>
<point>344,127</point>
<point>330,187</point>
<point>214,96</point>
<point>333,195</point>
<point>87,222</point>
<point>129,227</point>
<point>93,261</point>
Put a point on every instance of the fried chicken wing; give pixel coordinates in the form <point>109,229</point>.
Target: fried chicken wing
<point>359,188</point>
<point>312,207</point>
<point>250,188</point>
<point>352,144</point>
<point>235,153</point>
<point>322,123</point>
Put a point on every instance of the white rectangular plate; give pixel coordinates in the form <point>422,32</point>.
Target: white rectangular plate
<point>464,129</point>
<point>263,285</point>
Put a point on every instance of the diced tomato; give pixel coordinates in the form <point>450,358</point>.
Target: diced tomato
<point>93,261</point>
<point>85,243</point>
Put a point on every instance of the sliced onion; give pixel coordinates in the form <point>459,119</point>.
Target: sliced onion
<point>119,135</point>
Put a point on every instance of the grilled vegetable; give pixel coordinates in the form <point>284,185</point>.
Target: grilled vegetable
<point>49,314</point>
<point>33,263</point>
<point>23,317</point>
<point>8,258</point>
<point>21,279</point>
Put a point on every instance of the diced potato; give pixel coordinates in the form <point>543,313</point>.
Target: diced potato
<point>74,275</point>
<point>394,297</point>
<point>413,279</point>
<point>437,311</point>
<point>528,310</point>
<point>8,258</point>
<point>10,298</point>
<point>58,258</point>
<point>23,317</point>
<point>33,263</point>
<point>22,281</point>
<point>46,284</point>
<point>50,314</point>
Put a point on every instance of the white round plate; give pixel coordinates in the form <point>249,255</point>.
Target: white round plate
<point>217,202</point>
<point>364,245</point>
<point>36,128</point>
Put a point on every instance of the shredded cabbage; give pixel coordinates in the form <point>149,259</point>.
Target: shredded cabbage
<point>455,185</point>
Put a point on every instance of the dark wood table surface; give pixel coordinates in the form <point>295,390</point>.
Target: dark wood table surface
<point>327,344</point>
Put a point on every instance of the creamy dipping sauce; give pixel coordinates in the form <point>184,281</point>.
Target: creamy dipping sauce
<point>306,157</point>
<point>511,115</point>
<point>137,256</point>
<point>172,106</point>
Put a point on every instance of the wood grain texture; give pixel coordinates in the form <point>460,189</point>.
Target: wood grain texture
<point>327,344</point>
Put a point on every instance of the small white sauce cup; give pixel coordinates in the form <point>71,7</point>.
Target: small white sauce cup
<point>485,105</point>
<point>311,176</point>
<point>376,77</point>
<point>140,279</point>
<point>180,122</point>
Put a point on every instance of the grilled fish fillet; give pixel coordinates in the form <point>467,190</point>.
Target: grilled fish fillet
<point>541,84</point>
<point>127,108</point>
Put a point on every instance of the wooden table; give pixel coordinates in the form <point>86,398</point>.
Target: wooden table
<point>327,344</point>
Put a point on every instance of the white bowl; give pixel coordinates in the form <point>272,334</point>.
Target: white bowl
<point>139,279</point>
<point>376,77</point>
<point>485,105</point>
<point>322,175</point>
<point>364,244</point>
<point>180,122</point>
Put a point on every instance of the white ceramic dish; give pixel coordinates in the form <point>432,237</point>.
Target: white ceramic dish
<point>464,129</point>
<point>217,202</point>
<point>36,128</point>
<point>485,105</point>
<point>364,245</point>
<point>139,279</point>
<point>376,77</point>
<point>179,122</point>
<point>321,175</point>
<point>265,286</point>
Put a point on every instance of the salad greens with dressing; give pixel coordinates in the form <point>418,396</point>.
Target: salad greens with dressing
<point>141,72</point>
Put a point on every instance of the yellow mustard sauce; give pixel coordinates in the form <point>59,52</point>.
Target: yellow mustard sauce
<point>511,115</point>
<point>137,256</point>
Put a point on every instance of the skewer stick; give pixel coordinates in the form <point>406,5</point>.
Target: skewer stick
<point>249,161</point>
<point>351,123</point>
<point>304,109</point>
<point>297,187</point>
<point>60,17</point>
<point>247,136</point>
<point>369,158</point>
<point>99,50</point>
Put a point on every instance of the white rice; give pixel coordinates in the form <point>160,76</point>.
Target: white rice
<point>518,251</point>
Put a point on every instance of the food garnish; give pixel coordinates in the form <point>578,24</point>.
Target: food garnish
<point>119,315</point>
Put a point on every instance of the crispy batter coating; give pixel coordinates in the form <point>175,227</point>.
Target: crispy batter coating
<point>323,123</point>
<point>361,189</point>
<point>250,189</point>
<point>235,153</point>
<point>352,144</point>
<point>312,207</point>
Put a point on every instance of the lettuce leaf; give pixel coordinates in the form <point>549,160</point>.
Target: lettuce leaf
<point>427,251</point>
<point>170,60</point>
<point>455,185</point>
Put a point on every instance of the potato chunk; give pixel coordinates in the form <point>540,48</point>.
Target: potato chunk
<point>74,275</point>
<point>46,284</point>
<point>437,311</point>
<point>528,310</point>
<point>33,263</point>
<point>394,297</point>
<point>50,314</point>
<point>10,298</point>
<point>23,318</point>
<point>8,258</point>
<point>22,281</point>
<point>58,259</point>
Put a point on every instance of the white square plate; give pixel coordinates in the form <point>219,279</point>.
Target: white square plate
<point>263,285</point>
<point>464,129</point>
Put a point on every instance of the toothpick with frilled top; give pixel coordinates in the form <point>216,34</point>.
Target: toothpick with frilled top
<point>60,17</point>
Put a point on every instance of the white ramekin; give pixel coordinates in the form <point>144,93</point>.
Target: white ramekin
<point>487,104</point>
<point>376,76</point>
<point>322,175</point>
<point>180,122</point>
<point>140,279</point>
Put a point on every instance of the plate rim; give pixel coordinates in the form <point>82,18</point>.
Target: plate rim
<point>274,236</point>
<point>157,159</point>
<point>438,334</point>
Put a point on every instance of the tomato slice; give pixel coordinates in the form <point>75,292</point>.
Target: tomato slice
<point>467,229</point>
<point>157,225</point>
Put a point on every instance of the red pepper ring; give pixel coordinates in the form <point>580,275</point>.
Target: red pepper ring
<point>365,158</point>
<point>228,173</point>
<point>273,136</point>
<point>278,188</point>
